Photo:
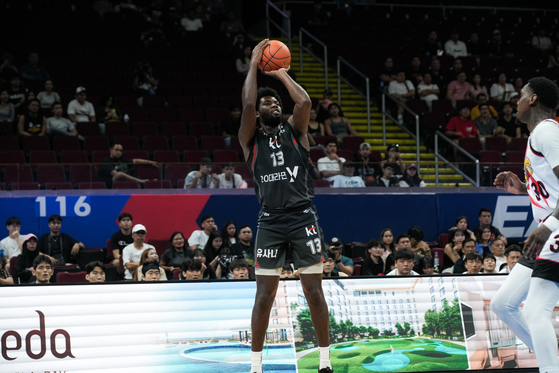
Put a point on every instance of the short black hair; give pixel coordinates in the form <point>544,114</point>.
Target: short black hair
<point>512,248</point>
<point>55,218</point>
<point>287,268</point>
<point>91,266</point>
<point>41,259</point>
<point>244,226</point>
<point>238,263</point>
<point>13,220</point>
<point>547,91</point>
<point>479,95</point>
<point>416,232</point>
<point>484,210</point>
<point>474,255</point>
<point>466,240</point>
<point>57,103</point>
<point>331,141</point>
<point>34,100</point>
<point>397,240</point>
<point>341,113</point>
<point>482,105</point>
<point>125,215</point>
<point>405,254</point>
<point>206,161</point>
<point>391,165</point>
<point>267,91</point>
<point>374,243</point>
<point>206,217</point>
<point>426,262</point>
<point>191,265</point>
<point>490,256</point>
<point>154,264</point>
<point>198,252</point>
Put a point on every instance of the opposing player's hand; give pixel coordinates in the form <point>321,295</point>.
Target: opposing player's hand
<point>509,182</point>
<point>257,51</point>
<point>534,244</point>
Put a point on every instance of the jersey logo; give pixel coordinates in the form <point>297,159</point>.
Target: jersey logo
<point>311,231</point>
<point>293,173</point>
<point>274,144</point>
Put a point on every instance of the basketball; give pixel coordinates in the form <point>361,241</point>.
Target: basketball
<point>275,56</point>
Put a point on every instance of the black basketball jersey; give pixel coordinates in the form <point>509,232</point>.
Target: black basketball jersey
<point>279,168</point>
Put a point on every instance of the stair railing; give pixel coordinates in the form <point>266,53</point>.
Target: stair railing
<point>438,157</point>
<point>366,95</point>
<point>269,21</point>
<point>323,61</point>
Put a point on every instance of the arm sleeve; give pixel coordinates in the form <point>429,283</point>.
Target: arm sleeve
<point>125,255</point>
<point>347,262</point>
<point>71,108</point>
<point>238,180</point>
<point>391,88</point>
<point>194,239</point>
<point>321,165</point>
<point>546,141</point>
<point>451,126</point>
<point>188,179</point>
<point>495,90</point>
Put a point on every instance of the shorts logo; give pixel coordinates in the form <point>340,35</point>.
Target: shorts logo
<point>293,173</point>
<point>267,253</point>
<point>311,231</point>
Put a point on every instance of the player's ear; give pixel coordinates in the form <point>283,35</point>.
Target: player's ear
<point>533,99</point>
<point>257,114</point>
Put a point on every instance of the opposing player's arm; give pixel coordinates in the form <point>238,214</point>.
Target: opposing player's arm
<point>510,182</point>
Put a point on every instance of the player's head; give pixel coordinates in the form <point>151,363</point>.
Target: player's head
<point>269,107</point>
<point>538,94</point>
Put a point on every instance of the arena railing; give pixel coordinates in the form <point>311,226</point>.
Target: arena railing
<point>323,61</point>
<point>269,21</point>
<point>366,95</point>
<point>438,157</point>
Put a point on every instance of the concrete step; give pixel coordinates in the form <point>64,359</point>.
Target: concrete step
<point>441,177</point>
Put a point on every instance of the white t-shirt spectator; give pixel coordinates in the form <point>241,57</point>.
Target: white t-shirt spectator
<point>458,49</point>
<point>199,238</point>
<point>131,253</point>
<point>326,164</point>
<point>47,101</point>
<point>502,94</point>
<point>228,184</point>
<point>203,182</point>
<point>430,97</point>
<point>400,88</point>
<point>192,24</point>
<point>82,112</point>
<point>394,272</point>
<point>10,246</point>
<point>342,181</point>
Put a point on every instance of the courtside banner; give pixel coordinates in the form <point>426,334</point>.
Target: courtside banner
<point>380,324</point>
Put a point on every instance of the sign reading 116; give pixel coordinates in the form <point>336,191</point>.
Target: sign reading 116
<point>63,206</point>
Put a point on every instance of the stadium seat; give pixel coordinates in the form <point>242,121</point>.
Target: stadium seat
<point>20,173</point>
<point>496,143</point>
<point>163,114</point>
<point>142,129</point>
<point>520,144</point>
<point>321,184</point>
<point>166,156</point>
<point>160,245</point>
<point>13,156</point>
<point>216,115</point>
<point>418,106</point>
<point>153,143</point>
<point>171,129</point>
<point>182,143</point>
<point>99,155</point>
<point>200,129</point>
<point>82,173</point>
<point>226,156</point>
<point>137,114</point>
<point>58,186</point>
<point>24,186</point>
<point>180,102</point>
<point>150,102</point>
<point>190,115</point>
<point>89,255</point>
<point>194,156</point>
<point>117,129</point>
<point>471,145</point>
<point>148,172</point>
<point>136,154</point>
<point>71,278</point>
<point>205,101</point>
<point>515,156</point>
<point>176,172</point>
<point>93,143</point>
<point>42,157</point>
<point>50,173</point>
<point>62,143</point>
<point>212,143</point>
<point>74,156</point>
<point>158,184</point>
<point>444,106</point>
<point>9,143</point>
<point>88,129</point>
<point>243,170</point>
<point>128,142</point>
<point>31,143</point>
<point>352,143</point>
<point>347,154</point>
<point>492,157</point>
<point>434,120</point>
<point>126,185</point>
<point>93,185</point>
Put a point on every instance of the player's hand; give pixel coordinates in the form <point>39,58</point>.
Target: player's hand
<point>534,244</point>
<point>276,73</point>
<point>509,181</point>
<point>256,56</point>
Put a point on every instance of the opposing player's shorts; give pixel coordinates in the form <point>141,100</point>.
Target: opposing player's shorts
<point>277,229</point>
<point>547,263</point>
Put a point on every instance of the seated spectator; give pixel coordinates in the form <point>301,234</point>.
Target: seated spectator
<point>507,126</point>
<point>485,218</point>
<point>176,253</point>
<point>387,239</point>
<point>428,91</point>
<point>418,246</point>
<point>415,72</point>
<point>518,85</point>
<point>393,156</point>
<point>458,89</point>
<point>331,165</point>
<point>11,245</point>
<point>107,111</point>
<point>203,178</point>
<point>230,125</point>
<point>33,72</point>
<point>208,272</point>
<point>243,62</point>
<point>315,129</point>
<point>7,109</point>
<point>198,238</point>
<point>432,47</point>
<point>486,126</point>
<point>191,269</point>
<point>239,269</point>
<point>24,262</point>
<point>513,255</point>
<point>553,60</point>
<point>489,264</point>
<point>404,261</point>
<point>287,272</point>
<point>337,124</point>
<point>473,262</point>
<point>346,179</point>
<point>231,25</point>
<point>453,249</point>
<point>437,76</point>
<point>5,277</point>
<point>151,271</point>
<point>483,240</point>
<point>59,126</point>
<point>149,255</point>
<point>118,168</point>
<point>468,246</point>
<point>452,74</point>
<point>7,68</point>
<point>476,87</point>
<point>498,250</point>
<point>410,178</point>
<point>454,47</point>
<point>366,167</point>
<point>427,265</point>
<point>327,267</point>
<point>501,90</point>
<point>228,179</point>
<point>245,247</point>
<point>475,47</point>
<point>403,241</point>
<point>95,272</point>
<point>229,233</point>
<point>482,99</point>
<point>48,97</point>
<point>213,248</point>
<point>32,122</point>
<point>17,93</point>
<point>401,90</point>
<point>496,47</point>
<point>61,246</point>
<point>121,238</point>
<point>224,260</point>
<point>144,83</point>
<point>191,22</point>
<point>463,223</point>
<point>81,110</point>
<point>322,107</point>
<point>342,263</point>
<point>387,179</point>
<point>132,254</point>
<point>461,126</point>
<point>541,43</point>
<point>42,269</point>
<point>374,265</point>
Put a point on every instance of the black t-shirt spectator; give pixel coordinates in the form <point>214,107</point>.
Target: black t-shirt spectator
<point>173,258</point>
<point>15,96</point>
<point>119,241</point>
<point>111,164</point>
<point>370,268</point>
<point>241,250</point>
<point>459,266</point>
<point>58,247</point>
<point>509,126</point>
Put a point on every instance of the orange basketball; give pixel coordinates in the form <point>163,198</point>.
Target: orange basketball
<point>275,56</point>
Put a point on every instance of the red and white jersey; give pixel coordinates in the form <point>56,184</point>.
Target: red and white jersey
<point>542,155</point>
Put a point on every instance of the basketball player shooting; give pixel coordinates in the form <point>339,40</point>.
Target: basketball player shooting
<point>277,155</point>
<point>536,276</point>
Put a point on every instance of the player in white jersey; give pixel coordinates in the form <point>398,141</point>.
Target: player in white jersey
<point>537,280</point>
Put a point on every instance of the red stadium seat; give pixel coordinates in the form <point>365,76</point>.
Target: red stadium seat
<point>150,102</point>
<point>352,143</point>
<point>496,143</point>
<point>71,278</point>
<point>226,156</point>
<point>158,184</point>
<point>128,142</point>
<point>520,144</point>
<point>93,185</point>
<point>136,114</point>
<point>182,143</point>
<point>166,156</point>
<point>471,144</point>
<point>24,186</point>
<point>193,157</point>
<point>163,114</point>
<point>88,129</point>
<point>62,143</point>
<point>21,173</point>
<point>31,143</point>
<point>9,143</point>
<point>153,143</point>
<point>42,157</point>
<point>212,143</point>
<point>148,172</point>
<point>82,173</point>
<point>176,172</point>
<point>171,129</point>
<point>216,115</point>
<point>126,185</point>
<point>321,184</point>
<point>52,174</point>
<point>490,156</point>
<point>117,129</point>
<point>515,156</point>
<point>200,129</point>
<point>74,156</point>
<point>12,157</point>
<point>58,186</point>
<point>190,115</point>
<point>93,143</point>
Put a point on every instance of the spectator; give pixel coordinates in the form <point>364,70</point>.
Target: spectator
<point>117,168</point>
<point>411,179</point>
<point>191,22</point>
<point>214,249</point>
<point>485,218</point>
<point>61,246</point>
<point>507,126</point>
<point>7,109</point>
<point>60,126</point>
<point>387,179</point>
<point>322,106</point>
<point>401,90</point>
<point>498,250</point>
<point>502,91</point>
<point>95,272</point>
<point>387,72</point>
<point>541,43</point>
<point>482,99</point>
<point>48,97</point>
<point>121,238</point>
<point>463,223</point>
<point>428,91</point>
<point>245,247</point>
<point>208,273</point>
<point>107,111</point>
<point>149,255</point>
<point>553,61</point>
<point>42,269</point>
<point>224,261</point>
<point>483,239</point>
<point>415,72</point>
<point>387,239</point>
<point>243,62</point>
<point>486,126</point>
<point>468,246</point>
<point>403,260</point>
<point>144,83</point>
<point>331,165</point>
<point>81,110</point>
<point>10,247</point>
<point>7,68</point>
<point>176,253</point>
<point>239,269</point>
<point>417,245</point>
<point>191,269</point>
<point>24,262</point>
<point>231,25</point>
<point>346,179</point>
<point>32,123</point>
<point>287,272</point>
<point>151,271</point>
<point>337,124</point>
<point>437,76</point>
<point>203,178</point>
<point>366,168</point>
<point>327,267</point>
<point>230,125</point>
<point>432,47</point>
<point>33,72</point>
<point>513,255</point>
<point>496,47</point>
<point>461,126</point>
<point>132,253</point>
<point>229,233</point>
<point>475,48</point>
<point>342,263</point>
<point>199,238</point>
<point>518,85</point>
<point>374,265</point>
<point>427,265</point>
<point>489,265</point>
<point>17,93</point>
<point>228,179</point>
<point>316,129</point>
<point>454,47</point>
<point>458,89</point>
<point>476,87</point>
<point>394,157</point>
<point>473,262</point>
<point>452,74</point>
<point>453,249</point>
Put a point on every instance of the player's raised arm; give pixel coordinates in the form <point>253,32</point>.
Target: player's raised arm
<point>249,94</point>
<point>508,181</point>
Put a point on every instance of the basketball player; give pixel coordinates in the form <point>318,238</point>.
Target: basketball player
<point>536,280</point>
<point>277,155</point>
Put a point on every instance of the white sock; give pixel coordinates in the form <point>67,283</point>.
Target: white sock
<point>256,362</point>
<point>324,354</point>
